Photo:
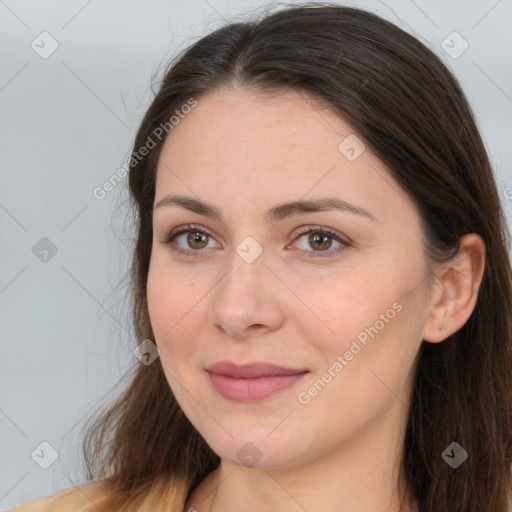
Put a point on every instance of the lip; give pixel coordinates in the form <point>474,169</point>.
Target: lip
<point>252,382</point>
<point>252,370</point>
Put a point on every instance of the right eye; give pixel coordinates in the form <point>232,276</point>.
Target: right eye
<point>195,240</point>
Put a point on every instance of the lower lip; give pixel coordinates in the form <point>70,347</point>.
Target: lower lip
<point>252,389</point>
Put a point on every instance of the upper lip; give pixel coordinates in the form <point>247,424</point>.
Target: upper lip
<point>251,370</point>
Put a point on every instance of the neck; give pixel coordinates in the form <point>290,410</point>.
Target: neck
<point>362,475</point>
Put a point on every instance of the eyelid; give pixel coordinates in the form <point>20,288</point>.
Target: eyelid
<point>185,228</point>
<point>311,228</point>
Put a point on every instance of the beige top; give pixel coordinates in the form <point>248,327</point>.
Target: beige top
<point>80,498</point>
<point>91,497</point>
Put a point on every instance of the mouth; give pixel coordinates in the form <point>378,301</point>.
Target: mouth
<point>252,382</point>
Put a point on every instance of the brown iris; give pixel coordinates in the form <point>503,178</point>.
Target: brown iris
<point>317,239</point>
<point>197,238</point>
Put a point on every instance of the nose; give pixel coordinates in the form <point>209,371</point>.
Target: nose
<point>246,299</point>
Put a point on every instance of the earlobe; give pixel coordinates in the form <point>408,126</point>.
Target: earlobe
<point>458,284</point>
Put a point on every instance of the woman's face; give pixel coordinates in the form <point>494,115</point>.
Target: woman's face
<point>343,308</point>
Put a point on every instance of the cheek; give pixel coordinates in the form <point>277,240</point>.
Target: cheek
<point>174,303</point>
<point>340,305</point>
<point>373,317</point>
<point>364,333</point>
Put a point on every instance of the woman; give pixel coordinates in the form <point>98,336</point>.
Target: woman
<point>322,263</point>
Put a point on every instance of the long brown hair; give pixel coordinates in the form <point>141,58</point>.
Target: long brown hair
<point>410,111</point>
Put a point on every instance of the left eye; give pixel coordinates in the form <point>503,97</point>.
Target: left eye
<point>320,239</point>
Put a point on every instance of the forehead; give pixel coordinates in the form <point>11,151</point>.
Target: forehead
<point>267,149</point>
<point>240,119</point>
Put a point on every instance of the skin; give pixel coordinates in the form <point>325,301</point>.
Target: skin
<point>244,153</point>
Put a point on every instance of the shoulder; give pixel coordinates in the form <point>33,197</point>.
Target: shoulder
<point>80,498</point>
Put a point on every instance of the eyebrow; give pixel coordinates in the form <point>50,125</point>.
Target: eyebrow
<point>274,214</point>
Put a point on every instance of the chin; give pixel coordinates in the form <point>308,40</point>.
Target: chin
<point>258,447</point>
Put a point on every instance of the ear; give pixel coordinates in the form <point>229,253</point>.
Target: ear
<point>456,290</point>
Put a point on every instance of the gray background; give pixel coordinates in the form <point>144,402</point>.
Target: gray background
<point>66,123</point>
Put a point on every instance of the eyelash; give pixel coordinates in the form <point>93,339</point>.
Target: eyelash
<point>169,239</point>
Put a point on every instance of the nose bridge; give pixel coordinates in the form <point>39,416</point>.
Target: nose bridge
<point>245,275</point>
<point>243,298</point>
